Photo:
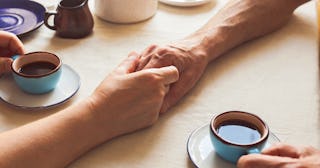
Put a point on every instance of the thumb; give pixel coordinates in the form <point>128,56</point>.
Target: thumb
<point>284,150</point>
<point>170,74</point>
<point>263,161</point>
<point>129,64</point>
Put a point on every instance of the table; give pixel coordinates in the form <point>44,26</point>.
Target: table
<point>275,77</point>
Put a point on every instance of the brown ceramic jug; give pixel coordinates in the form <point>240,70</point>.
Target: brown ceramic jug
<point>72,19</point>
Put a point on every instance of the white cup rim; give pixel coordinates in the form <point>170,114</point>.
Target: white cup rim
<point>262,139</point>
<point>15,68</point>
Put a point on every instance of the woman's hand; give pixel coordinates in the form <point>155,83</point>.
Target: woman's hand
<point>126,100</point>
<point>282,156</point>
<point>9,45</point>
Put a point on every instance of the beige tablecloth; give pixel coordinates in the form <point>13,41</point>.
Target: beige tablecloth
<point>275,77</point>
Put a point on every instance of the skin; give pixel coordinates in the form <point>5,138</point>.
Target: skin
<point>238,22</point>
<point>282,156</point>
<point>9,45</point>
<point>119,105</point>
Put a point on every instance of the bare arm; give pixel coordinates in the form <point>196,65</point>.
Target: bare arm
<point>120,105</point>
<point>240,21</point>
<point>236,23</point>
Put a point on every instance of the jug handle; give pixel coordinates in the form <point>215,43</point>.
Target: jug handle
<point>46,18</point>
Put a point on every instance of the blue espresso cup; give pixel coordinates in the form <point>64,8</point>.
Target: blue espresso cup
<point>37,72</point>
<point>236,133</point>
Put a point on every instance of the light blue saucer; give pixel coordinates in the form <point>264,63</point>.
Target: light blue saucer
<point>67,86</point>
<point>201,151</point>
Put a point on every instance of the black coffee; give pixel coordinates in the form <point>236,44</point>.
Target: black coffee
<point>37,68</point>
<point>238,132</point>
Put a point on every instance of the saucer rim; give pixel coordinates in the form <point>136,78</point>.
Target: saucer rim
<point>39,14</point>
<point>185,4</point>
<point>203,127</point>
<point>53,104</point>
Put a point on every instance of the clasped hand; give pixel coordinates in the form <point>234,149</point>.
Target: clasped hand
<point>9,45</point>
<point>132,99</point>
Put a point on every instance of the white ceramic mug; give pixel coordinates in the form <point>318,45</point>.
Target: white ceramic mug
<point>125,11</point>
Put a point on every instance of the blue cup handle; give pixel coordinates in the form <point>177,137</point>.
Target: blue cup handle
<point>253,151</point>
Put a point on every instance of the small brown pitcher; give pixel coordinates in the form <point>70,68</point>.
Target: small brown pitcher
<point>72,19</point>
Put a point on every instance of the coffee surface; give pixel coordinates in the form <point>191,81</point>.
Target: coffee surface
<point>238,132</point>
<point>37,68</point>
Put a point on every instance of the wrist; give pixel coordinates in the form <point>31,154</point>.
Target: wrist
<point>99,120</point>
<point>193,47</point>
<point>208,44</point>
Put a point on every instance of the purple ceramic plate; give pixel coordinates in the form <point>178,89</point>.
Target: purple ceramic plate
<point>20,16</point>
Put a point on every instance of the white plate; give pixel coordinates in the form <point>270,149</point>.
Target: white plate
<point>68,85</point>
<point>201,151</point>
<point>185,2</point>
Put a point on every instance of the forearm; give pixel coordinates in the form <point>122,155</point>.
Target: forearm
<point>54,141</point>
<point>124,102</point>
<point>238,22</point>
